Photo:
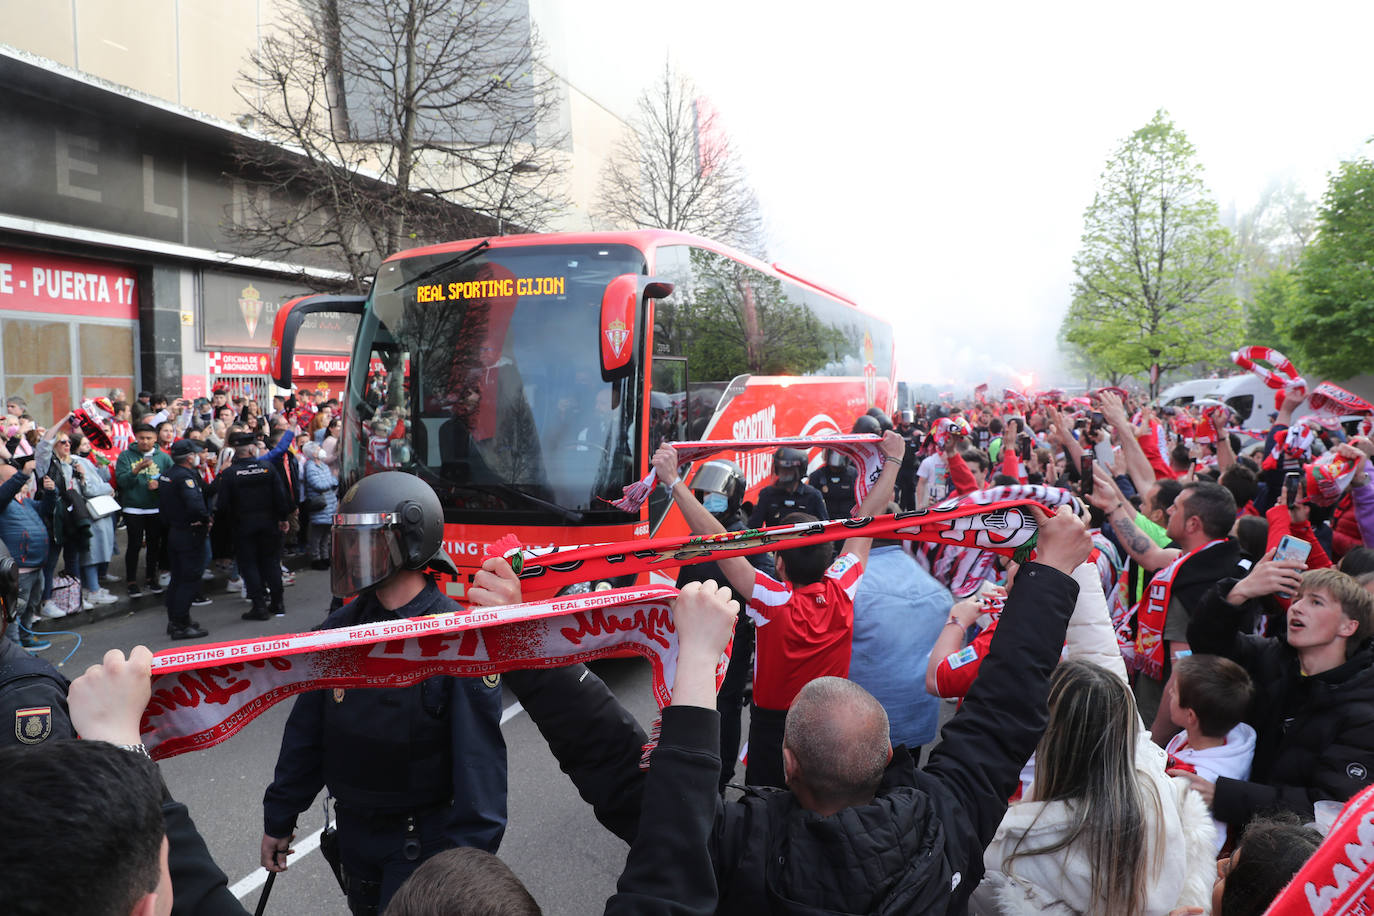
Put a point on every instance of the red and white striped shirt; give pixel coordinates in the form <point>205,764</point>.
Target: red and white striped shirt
<point>802,633</point>
<point>122,434</point>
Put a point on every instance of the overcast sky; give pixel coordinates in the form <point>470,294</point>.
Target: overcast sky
<point>934,160</point>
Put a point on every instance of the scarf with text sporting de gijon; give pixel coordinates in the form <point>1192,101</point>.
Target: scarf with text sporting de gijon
<point>204,694</point>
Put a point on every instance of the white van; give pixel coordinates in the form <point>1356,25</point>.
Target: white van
<point>1182,394</point>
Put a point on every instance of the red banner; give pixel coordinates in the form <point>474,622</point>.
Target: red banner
<point>224,363</point>
<point>33,282</point>
<point>307,366</point>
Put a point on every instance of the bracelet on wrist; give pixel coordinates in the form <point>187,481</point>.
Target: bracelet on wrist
<point>956,622</point>
<point>887,458</point>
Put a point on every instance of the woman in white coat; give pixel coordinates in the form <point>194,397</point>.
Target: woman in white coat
<point>1103,828</point>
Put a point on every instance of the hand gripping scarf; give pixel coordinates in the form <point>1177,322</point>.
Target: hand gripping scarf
<point>1338,880</point>
<point>204,694</point>
<point>90,415</point>
<point>998,519</point>
<point>1280,373</point>
<point>946,427</point>
<point>862,450</point>
<point>1295,442</point>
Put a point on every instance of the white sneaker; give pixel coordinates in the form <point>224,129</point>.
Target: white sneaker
<point>234,585</point>
<point>111,577</point>
<point>87,604</point>
<point>164,580</point>
<point>243,592</point>
<point>51,611</point>
<point>103,597</point>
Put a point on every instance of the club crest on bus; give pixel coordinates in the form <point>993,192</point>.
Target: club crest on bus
<point>617,334</point>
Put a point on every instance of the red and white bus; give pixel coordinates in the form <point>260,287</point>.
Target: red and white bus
<point>530,378</point>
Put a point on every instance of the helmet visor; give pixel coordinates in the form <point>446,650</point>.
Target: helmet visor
<point>366,550</point>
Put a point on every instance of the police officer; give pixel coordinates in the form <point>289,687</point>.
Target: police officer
<point>414,770</point>
<point>836,482</point>
<point>186,514</point>
<point>906,474</point>
<point>719,486</point>
<point>788,494</point>
<point>33,695</point>
<point>251,492</point>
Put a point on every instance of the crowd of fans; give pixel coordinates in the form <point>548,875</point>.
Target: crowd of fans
<point>65,543</point>
<point>1161,710</point>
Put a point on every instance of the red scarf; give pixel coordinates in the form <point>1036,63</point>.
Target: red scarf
<point>1338,880</point>
<point>205,694</point>
<point>862,450</point>
<point>998,520</point>
<point>1151,611</point>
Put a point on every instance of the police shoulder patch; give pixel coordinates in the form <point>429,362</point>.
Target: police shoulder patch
<point>190,483</point>
<point>492,680</point>
<point>962,657</point>
<point>33,725</point>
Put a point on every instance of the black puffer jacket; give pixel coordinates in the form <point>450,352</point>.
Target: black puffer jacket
<point>1314,734</point>
<point>916,848</point>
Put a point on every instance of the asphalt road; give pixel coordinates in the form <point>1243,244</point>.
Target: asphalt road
<point>568,861</point>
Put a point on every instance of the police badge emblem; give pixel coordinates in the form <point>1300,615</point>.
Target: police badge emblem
<point>33,725</point>
<point>492,680</point>
<point>338,694</point>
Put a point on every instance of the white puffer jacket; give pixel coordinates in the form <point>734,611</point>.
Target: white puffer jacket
<point>1061,882</point>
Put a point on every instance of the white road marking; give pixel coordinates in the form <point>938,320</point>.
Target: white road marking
<point>246,885</point>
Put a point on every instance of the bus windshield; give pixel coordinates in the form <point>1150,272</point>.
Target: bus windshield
<point>484,378</point>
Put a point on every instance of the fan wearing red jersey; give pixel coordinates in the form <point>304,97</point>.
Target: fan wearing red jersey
<point>804,619</point>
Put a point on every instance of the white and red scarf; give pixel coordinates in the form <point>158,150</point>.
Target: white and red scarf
<point>1329,477</point>
<point>204,694</point>
<point>862,450</point>
<point>1330,402</point>
<point>1338,879</point>
<point>1151,611</point>
<point>1279,373</point>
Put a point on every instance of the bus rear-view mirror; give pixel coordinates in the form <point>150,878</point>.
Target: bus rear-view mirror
<point>619,310</point>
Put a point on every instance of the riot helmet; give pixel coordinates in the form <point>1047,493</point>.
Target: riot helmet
<point>884,421</point>
<point>720,485</point>
<point>788,464</point>
<point>866,425</point>
<point>385,523</point>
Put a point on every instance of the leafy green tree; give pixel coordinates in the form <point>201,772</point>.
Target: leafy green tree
<point>1332,318</point>
<point>1269,318</point>
<point>1155,263</point>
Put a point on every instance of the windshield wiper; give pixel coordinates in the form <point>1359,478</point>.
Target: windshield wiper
<point>460,258</point>
<point>570,515</point>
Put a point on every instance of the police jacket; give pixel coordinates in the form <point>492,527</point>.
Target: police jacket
<point>33,698</point>
<point>775,504</point>
<point>1314,733</point>
<point>836,486</point>
<point>182,501</point>
<point>253,495</point>
<point>434,748</point>
<point>916,848</point>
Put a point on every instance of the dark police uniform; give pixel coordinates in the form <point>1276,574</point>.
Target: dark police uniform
<point>906,474</point>
<point>185,514</point>
<point>414,770</point>
<point>837,489</point>
<point>775,504</point>
<point>252,493</point>
<point>33,699</point>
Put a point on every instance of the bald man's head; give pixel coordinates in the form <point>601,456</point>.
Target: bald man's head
<point>835,745</point>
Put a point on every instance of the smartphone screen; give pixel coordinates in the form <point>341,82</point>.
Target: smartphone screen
<point>1291,548</point>
<point>1291,483</point>
<point>1085,468</point>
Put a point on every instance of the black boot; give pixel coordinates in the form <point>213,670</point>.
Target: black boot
<point>188,630</point>
<point>258,611</point>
